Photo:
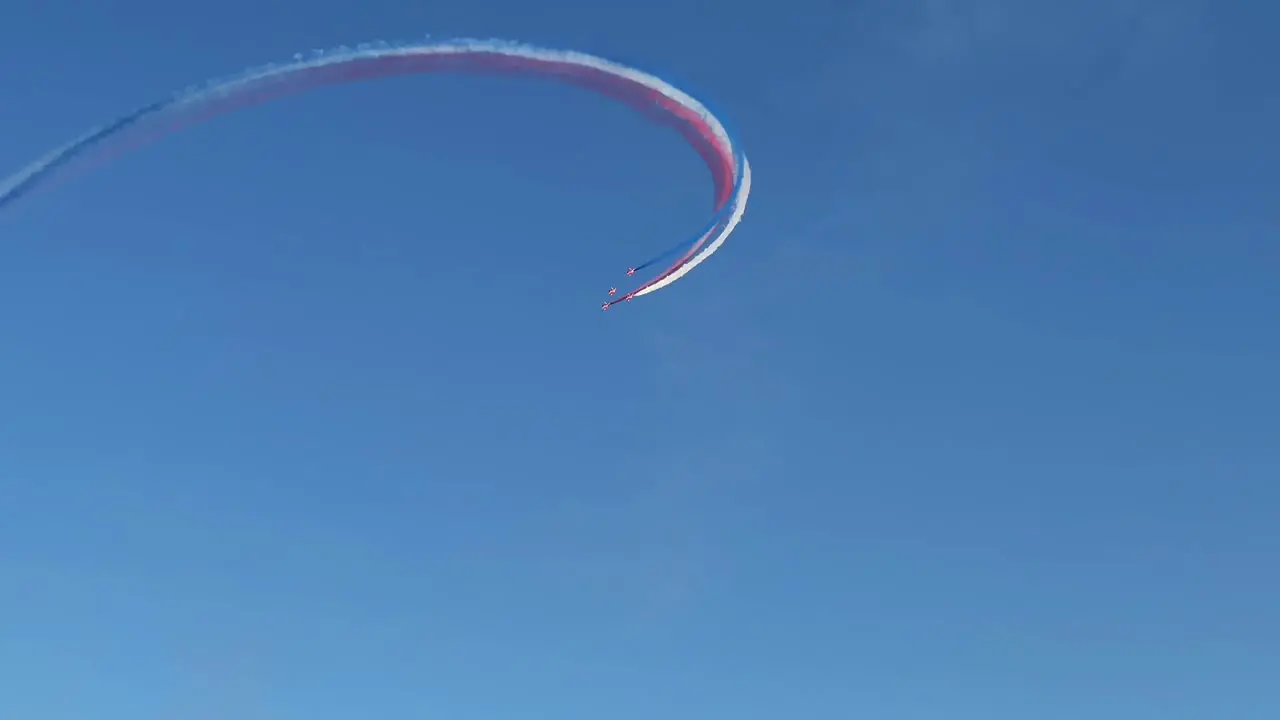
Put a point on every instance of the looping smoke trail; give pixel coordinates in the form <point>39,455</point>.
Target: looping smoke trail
<point>654,97</point>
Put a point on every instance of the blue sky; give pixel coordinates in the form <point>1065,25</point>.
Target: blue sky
<point>310,411</point>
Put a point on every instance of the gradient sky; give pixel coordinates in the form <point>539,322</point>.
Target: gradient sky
<point>310,413</point>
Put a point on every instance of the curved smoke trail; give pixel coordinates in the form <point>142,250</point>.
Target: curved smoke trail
<point>656,98</point>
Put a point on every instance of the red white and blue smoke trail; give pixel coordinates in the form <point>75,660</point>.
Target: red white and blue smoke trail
<point>654,97</point>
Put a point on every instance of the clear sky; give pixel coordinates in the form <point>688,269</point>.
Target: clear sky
<point>310,412</point>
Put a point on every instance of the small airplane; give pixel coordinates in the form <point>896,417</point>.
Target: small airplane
<point>604,306</point>
<point>613,291</point>
<point>631,271</point>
